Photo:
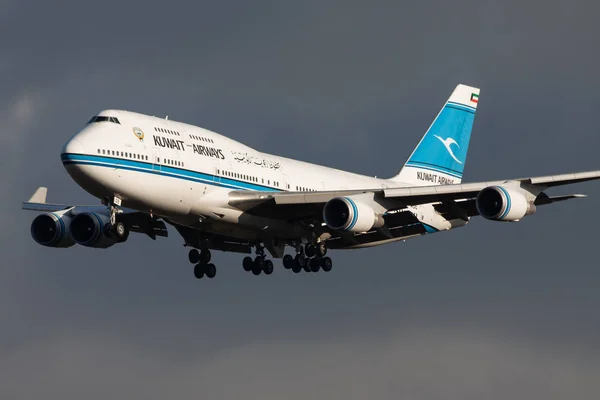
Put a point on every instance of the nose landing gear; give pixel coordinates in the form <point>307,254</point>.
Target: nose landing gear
<point>117,226</point>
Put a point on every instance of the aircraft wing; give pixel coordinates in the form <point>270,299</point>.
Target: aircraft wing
<point>138,221</point>
<point>304,205</point>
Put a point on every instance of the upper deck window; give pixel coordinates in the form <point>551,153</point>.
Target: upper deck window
<point>102,118</point>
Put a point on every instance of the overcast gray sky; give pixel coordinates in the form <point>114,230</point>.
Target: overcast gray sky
<point>489,311</point>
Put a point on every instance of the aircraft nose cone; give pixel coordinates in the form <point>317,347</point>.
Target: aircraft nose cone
<point>73,146</point>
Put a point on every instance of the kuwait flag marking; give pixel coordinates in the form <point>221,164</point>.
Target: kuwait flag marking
<point>474,97</point>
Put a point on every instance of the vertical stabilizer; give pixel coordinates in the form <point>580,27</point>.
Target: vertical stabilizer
<point>440,156</point>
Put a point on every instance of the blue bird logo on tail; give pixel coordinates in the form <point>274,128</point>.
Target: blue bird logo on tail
<point>447,143</point>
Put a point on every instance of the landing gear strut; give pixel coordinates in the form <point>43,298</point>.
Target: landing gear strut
<point>117,227</point>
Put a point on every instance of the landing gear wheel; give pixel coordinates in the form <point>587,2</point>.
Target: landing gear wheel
<point>288,261</point>
<point>321,249</point>
<point>326,264</point>
<point>247,263</point>
<point>205,256</point>
<point>194,256</point>
<point>210,270</point>
<point>108,232</point>
<point>199,271</point>
<point>299,260</point>
<point>296,268</point>
<point>256,270</point>
<point>259,262</point>
<point>315,264</point>
<point>268,267</point>
<point>121,231</point>
<point>309,250</point>
<point>306,265</point>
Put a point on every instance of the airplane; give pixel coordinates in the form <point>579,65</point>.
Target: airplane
<point>219,194</point>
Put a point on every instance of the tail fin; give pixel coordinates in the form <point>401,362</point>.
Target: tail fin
<point>440,156</point>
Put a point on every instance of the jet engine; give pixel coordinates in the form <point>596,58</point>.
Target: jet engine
<point>52,230</point>
<point>91,230</point>
<point>347,214</point>
<point>501,203</point>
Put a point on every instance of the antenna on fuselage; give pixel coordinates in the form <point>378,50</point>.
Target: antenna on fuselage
<point>167,117</point>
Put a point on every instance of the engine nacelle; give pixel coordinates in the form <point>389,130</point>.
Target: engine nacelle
<point>347,214</point>
<point>501,203</point>
<point>91,230</point>
<point>52,230</point>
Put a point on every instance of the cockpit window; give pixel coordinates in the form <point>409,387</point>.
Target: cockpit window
<point>102,118</point>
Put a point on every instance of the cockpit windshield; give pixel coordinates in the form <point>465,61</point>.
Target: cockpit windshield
<point>102,118</point>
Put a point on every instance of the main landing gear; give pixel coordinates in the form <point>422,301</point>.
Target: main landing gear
<point>311,258</point>
<point>203,265</point>
<point>259,264</point>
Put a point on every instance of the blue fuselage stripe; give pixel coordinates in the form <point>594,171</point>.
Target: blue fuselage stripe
<point>163,170</point>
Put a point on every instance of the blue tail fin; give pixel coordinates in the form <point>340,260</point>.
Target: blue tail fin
<point>440,156</point>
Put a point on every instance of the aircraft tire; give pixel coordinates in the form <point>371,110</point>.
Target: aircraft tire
<point>288,261</point>
<point>210,270</point>
<point>121,231</point>
<point>199,271</point>
<point>296,268</point>
<point>306,265</point>
<point>259,262</point>
<point>299,259</point>
<point>248,264</point>
<point>194,256</point>
<point>326,264</point>
<point>205,256</point>
<point>256,270</point>
<point>315,264</point>
<point>268,267</point>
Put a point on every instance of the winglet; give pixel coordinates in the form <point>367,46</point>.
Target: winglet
<point>39,196</point>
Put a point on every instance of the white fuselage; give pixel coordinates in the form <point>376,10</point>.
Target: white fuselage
<point>185,173</point>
